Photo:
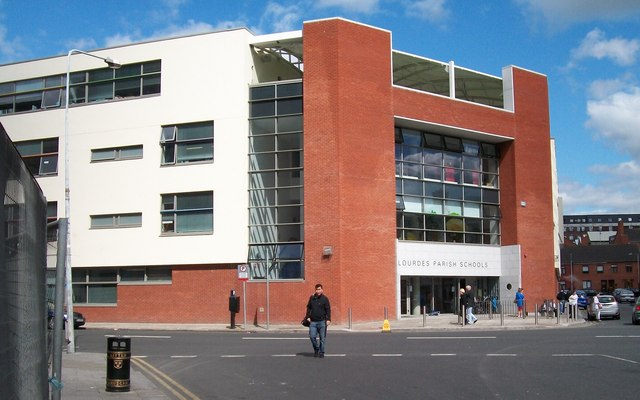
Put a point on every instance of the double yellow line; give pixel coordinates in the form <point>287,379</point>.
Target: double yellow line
<point>181,392</point>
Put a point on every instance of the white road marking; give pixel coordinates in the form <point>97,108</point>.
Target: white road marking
<point>283,355</point>
<point>386,355</point>
<point>275,338</point>
<point>620,359</point>
<point>619,336</point>
<point>443,354</point>
<point>572,355</point>
<point>502,355</point>
<point>233,356</point>
<point>141,336</point>
<point>191,356</point>
<point>448,337</point>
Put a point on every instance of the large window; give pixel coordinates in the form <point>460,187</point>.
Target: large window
<point>99,285</point>
<point>187,143</point>
<point>187,213</point>
<point>95,285</point>
<point>40,156</point>
<point>446,189</point>
<point>275,181</point>
<point>131,80</point>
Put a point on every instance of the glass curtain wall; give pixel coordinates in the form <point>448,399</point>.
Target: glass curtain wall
<point>447,189</point>
<point>275,181</point>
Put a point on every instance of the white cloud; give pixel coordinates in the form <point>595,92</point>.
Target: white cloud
<point>616,119</point>
<point>601,89</point>
<point>616,190</point>
<point>560,14</point>
<point>359,6</point>
<point>191,27</point>
<point>82,44</point>
<point>10,49</point>
<point>595,45</point>
<point>279,18</point>
<point>429,10</point>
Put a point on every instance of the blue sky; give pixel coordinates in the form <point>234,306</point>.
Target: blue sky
<point>588,49</point>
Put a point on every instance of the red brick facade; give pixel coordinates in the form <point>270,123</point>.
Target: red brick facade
<point>349,190</point>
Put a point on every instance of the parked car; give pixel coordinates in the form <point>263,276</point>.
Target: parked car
<point>624,296</point>
<point>609,308</point>
<point>635,315</point>
<point>583,299</point>
<point>636,292</point>
<point>78,318</point>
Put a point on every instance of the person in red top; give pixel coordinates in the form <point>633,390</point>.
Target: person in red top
<point>319,316</point>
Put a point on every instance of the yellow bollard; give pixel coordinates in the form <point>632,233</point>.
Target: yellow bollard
<point>386,326</point>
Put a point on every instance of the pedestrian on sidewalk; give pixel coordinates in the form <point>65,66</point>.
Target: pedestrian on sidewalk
<point>573,303</point>
<point>520,301</point>
<point>319,316</point>
<point>461,311</point>
<point>470,302</point>
<point>596,307</point>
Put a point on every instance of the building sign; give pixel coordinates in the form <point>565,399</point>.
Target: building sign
<point>435,259</point>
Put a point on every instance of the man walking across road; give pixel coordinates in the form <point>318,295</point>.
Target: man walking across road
<point>469,303</point>
<point>319,316</point>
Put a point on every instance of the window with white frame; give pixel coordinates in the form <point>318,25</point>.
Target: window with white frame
<point>187,143</point>
<point>187,213</point>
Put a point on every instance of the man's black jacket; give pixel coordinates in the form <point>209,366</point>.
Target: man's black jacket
<point>318,308</point>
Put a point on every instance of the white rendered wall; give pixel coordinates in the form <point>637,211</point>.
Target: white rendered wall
<point>204,77</point>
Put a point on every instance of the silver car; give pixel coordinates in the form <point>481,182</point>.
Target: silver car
<point>624,296</point>
<point>609,308</point>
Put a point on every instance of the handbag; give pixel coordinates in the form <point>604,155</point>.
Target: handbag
<point>305,322</point>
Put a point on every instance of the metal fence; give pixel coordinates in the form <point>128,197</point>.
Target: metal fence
<point>23,358</point>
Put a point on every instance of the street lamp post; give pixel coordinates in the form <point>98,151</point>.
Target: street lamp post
<point>571,266</point>
<point>67,198</point>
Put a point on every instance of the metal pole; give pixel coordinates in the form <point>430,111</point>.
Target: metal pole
<point>571,258</point>
<point>638,267</point>
<point>244,303</point>
<point>67,197</point>
<point>67,213</point>
<point>350,319</point>
<point>56,365</point>
<point>268,293</point>
<point>536,313</point>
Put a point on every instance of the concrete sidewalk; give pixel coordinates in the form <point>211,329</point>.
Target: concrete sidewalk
<point>84,374</point>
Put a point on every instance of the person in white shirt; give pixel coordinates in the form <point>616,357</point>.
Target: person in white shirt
<point>596,307</point>
<point>573,303</point>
